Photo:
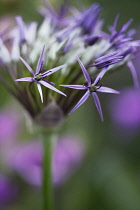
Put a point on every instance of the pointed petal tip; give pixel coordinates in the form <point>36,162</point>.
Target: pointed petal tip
<point>51,87</point>
<point>26,79</point>
<point>102,119</point>
<point>64,94</point>
<point>77,57</point>
<point>85,72</point>
<point>117,92</point>
<point>43,48</point>
<point>27,65</point>
<point>64,64</point>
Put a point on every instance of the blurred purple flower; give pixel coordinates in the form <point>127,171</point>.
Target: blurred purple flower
<point>8,191</point>
<point>26,159</point>
<point>9,125</point>
<point>68,154</point>
<point>125,110</point>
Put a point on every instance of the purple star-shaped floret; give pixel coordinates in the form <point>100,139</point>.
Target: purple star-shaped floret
<point>38,76</point>
<point>92,88</point>
<point>120,37</point>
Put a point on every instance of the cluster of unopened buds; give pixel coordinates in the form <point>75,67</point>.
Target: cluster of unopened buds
<point>72,44</point>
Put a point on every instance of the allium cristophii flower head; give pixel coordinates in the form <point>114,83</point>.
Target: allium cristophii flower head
<point>78,34</point>
<point>125,110</point>
<point>26,159</point>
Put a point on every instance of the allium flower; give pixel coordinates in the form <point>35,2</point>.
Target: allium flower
<point>39,77</point>
<point>79,33</point>
<point>74,34</point>
<point>92,88</point>
<point>26,160</point>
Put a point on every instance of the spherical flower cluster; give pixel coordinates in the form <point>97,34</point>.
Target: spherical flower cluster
<point>50,52</point>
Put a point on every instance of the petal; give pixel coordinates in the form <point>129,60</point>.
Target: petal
<point>51,71</point>
<point>106,90</point>
<point>126,26</point>
<point>40,91</point>
<point>113,28</point>
<point>27,65</point>
<point>40,61</point>
<point>109,62</point>
<point>100,76</point>
<point>98,105</point>
<point>108,56</point>
<point>79,87</point>
<point>86,74</point>
<point>82,100</point>
<point>21,28</point>
<point>92,40</point>
<point>52,83</point>
<point>26,79</point>
<point>32,28</point>
<point>51,87</point>
<point>115,22</point>
<point>134,74</point>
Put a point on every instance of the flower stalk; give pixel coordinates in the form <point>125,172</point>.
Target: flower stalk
<point>47,185</point>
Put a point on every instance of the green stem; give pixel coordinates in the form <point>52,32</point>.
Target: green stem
<point>47,185</point>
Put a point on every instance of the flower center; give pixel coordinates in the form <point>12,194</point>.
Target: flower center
<point>92,88</point>
<point>38,77</point>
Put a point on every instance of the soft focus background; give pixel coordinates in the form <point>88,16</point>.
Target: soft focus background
<point>96,165</point>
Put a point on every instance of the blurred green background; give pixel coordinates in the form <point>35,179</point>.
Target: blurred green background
<point>109,177</point>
